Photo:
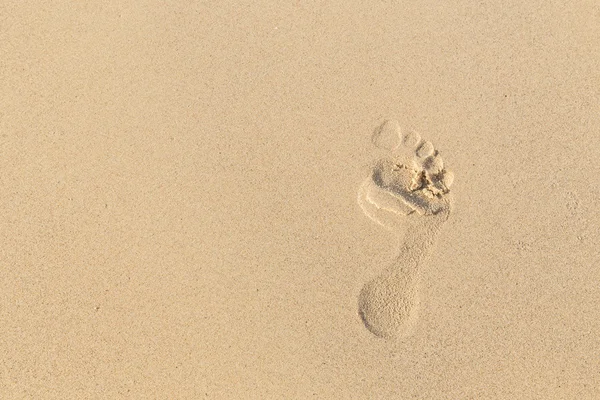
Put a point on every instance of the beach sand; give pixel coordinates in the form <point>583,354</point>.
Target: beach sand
<point>180,214</point>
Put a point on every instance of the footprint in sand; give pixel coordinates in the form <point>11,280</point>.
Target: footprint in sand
<point>409,191</point>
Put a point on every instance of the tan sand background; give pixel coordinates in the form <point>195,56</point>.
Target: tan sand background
<point>178,209</point>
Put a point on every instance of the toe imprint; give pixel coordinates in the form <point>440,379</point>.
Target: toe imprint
<point>433,164</point>
<point>411,139</point>
<point>425,150</point>
<point>387,136</point>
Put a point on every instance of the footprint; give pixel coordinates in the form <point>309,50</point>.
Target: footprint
<point>409,191</point>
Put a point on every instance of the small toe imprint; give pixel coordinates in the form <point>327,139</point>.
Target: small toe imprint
<point>411,139</point>
<point>433,164</point>
<point>425,149</point>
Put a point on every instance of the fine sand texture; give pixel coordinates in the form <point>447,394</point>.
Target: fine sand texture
<point>299,200</point>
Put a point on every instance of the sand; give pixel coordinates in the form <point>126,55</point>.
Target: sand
<point>181,213</point>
